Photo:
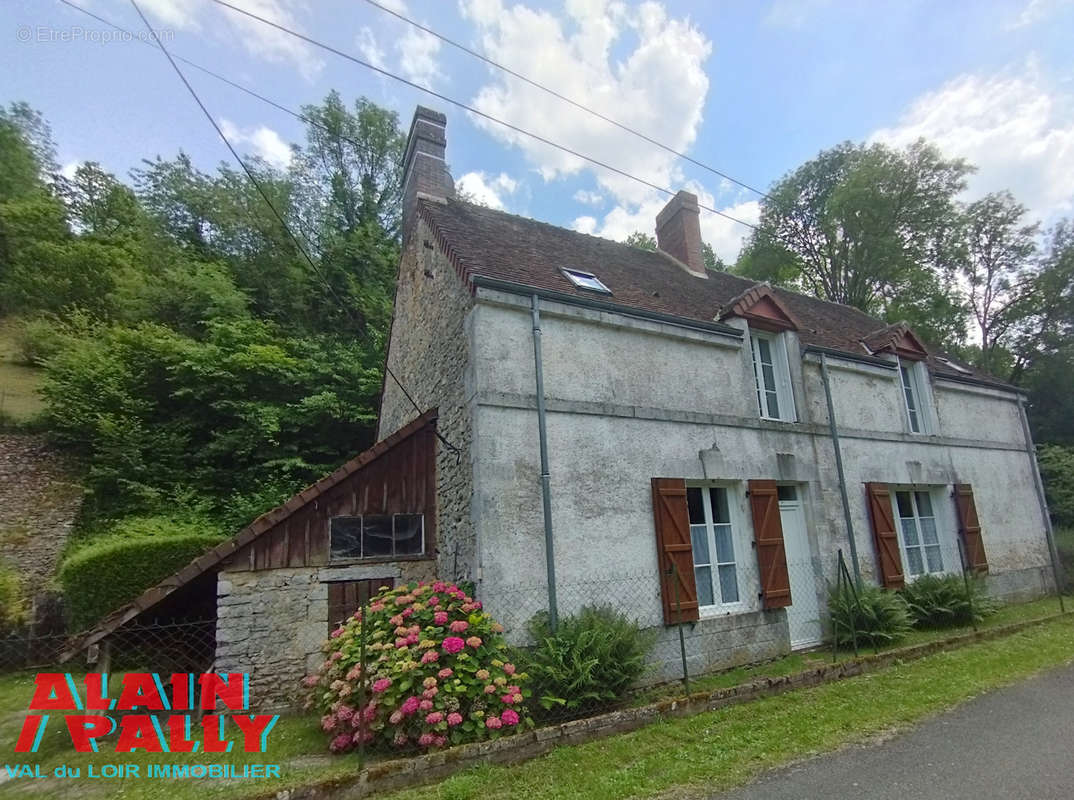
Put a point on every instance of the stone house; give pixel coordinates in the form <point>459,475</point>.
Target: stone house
<point>607,424</point>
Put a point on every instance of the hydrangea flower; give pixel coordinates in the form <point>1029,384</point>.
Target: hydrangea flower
<point>454,718</point>
<point>493,723</point>
<point>440,618</point>
<point>474,642</point>
<point>453,644</point>
<point>382,685</point>
<point>459,625</point>
<point>509,716</point>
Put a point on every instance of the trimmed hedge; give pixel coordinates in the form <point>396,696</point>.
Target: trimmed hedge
<point>114,569</point>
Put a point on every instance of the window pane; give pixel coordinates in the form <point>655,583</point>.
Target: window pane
<point>935,558</point>
<point>909,532</point>
<point>725,548</point>
<point>346,537</point>
<point>376,536</point>
<point>720,512</point>
<point>924,504</point>
<point>913,555</point>
<point>906,506</point>
<point>694,504</point>
<point>766,351</point>
<point>773,405</point>
<point>728,584</point>
<point>409,535</point>
<point>928,531</point>
<point>703,579</point>
<point>699,536</point>
<point>787,493</point>
<point>915,426</point>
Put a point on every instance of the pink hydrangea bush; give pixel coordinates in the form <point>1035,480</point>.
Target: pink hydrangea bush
<point>437,673</point>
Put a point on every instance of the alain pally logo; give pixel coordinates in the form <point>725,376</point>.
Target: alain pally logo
<point>188,714</point>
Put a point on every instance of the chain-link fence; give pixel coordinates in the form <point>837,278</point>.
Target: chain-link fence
<point>163,648</point>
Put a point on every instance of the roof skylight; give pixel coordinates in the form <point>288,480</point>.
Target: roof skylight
<point>585,280</point>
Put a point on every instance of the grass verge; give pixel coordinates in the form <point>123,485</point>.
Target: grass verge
<point>19,384</point>
<point>716,749</point>
<point>725,748</point>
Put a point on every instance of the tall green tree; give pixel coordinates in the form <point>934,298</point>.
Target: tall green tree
<point>867,226</point>
<point>996,261</point>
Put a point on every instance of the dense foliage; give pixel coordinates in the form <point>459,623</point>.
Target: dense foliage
<point>591,659</point>
<point>118,564</point>
<point>12,606</point>
<point>946,601</point>
<point>194,358</point>
<point>869,614</point>
<point>437,673</point>
<point>1057,469</point>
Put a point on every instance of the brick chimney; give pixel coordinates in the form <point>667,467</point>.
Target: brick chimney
<point>425,173</point>
<point>678,232</point>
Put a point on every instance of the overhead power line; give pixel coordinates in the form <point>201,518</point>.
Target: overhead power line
<point>268,202</point>
<point>466,107</point>
<point>581,106</point>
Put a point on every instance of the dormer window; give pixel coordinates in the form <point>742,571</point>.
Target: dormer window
<point>775,400</point>
<point>586,280</point>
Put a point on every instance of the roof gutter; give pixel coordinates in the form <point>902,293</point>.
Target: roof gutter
<point>528,292</point>
<point>872,361</point>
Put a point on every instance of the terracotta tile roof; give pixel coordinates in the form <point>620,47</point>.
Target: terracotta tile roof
<point>494,244</point>
<point>266,522</point>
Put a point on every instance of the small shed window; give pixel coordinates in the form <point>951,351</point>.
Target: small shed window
<point>586,280</point>
<point>377,536</point>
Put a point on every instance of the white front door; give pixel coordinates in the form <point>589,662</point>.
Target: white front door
<point>803,615</point>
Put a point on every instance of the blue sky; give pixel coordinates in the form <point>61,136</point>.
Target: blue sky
<point>752,88</point>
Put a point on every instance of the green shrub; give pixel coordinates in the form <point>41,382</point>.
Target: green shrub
<point>12,604</point>
<point>1057,471</point>
<point>437,673</point>
<point>39,339</point>
<point>592,658</point>
<point>944,602</point>
<point>878,617</point>
<point>136,553</point>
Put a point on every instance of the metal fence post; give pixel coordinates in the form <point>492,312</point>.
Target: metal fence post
<point>678,619</point>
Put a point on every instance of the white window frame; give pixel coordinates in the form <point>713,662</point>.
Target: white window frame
<point>916,378</point>
<point>933,493</point>
<point>781,373</point>
<point>585,280</point>
<point>739,544</point>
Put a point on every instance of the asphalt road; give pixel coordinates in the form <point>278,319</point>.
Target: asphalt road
<point>1015,743</point>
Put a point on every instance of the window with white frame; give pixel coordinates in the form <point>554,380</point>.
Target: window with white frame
<point>716,554</point>
<point>918,534</point>
<point>912,377</point>
<point>771,371</point>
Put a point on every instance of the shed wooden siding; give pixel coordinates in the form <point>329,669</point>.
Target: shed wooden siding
<point>399,481</point>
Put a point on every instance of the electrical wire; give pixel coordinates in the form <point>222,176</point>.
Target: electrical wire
<point>565,99</point>
<point>264,196</point>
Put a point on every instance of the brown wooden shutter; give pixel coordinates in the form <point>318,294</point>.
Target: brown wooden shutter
<point>969,528</point>
<point>673,547</point>
<point>885,536</point>
<point>771,551</point>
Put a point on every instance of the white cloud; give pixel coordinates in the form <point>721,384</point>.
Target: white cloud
<point>259,39</point>
<point>370,50</point>
<point>487,189</point>
<point>68,170</point>
<point>263,141</point>
<point>417,56</point>
<point>1035,11</point>
<point>585,224</point>
<point>1017,132</point>
<point>588,198</point>
<point>658,86</point>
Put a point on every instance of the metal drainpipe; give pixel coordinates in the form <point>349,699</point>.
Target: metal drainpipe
<point>1031,451</point>
<point>839,469</point>
<point>546,488</point>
